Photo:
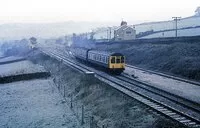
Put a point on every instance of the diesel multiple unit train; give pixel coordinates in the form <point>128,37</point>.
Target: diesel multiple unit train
<point>113,62</point>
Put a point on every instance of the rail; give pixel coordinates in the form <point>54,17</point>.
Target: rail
<point>182,110</point>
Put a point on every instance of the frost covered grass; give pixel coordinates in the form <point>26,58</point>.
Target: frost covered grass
<point>14,69</point>
<point>184,32</point>
<point>108,106</point>
<point>30,104</point>
<point>11,59</point>
<point>34,103</point>
<point>17,68</point>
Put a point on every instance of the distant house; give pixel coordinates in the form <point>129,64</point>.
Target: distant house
<point>124,32</point>
<point>197,11</point>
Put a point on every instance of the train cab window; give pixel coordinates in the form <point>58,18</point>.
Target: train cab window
<point>93,56</point>
<point>113,60</point>
<point>122,59</point>
<point>118,60</point>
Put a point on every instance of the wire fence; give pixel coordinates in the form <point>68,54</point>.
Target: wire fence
<point>86,119</point>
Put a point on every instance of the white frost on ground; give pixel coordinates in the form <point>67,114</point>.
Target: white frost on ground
<point>183,89</point>
<point>20,67</point>
<point>184,32</point>
<point>10,58</point>
<point>164,25</point>
<point>35,103</point>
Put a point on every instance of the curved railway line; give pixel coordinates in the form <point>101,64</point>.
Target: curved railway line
<point>172,106</point>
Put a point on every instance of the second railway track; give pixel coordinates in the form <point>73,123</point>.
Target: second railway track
<point>172,106</point>
<point>164,75</point>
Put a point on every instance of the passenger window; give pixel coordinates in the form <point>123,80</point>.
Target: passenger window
<point>113,60</point>
<point>118,59</point>
<point>122,59</point>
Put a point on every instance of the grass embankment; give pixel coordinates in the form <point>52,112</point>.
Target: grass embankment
<point>108,106</point>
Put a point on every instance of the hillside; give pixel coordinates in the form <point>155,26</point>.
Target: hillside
<point>181,32</point>
<point>177,58</point>
<point>166,25</point>
<point>52,30</point>
<point>187,27</point>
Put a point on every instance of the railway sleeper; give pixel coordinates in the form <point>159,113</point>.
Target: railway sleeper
<point>180,118</point>
<point>185,121</point>
<point>196,126</point>
<point>159,108</point>
<point>156,105</point>
<point>151,104</point>
<point>145,101</point>
<point>170,114</point>
<point>175,116</point>
<point>192,123</point>
<point>167,111</point>
<point>164,109</point>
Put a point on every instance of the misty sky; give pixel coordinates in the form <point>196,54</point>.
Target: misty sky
<point>36,11</point>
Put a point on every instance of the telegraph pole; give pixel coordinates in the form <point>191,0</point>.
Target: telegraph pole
<point>107,34</point>
<point>110,32</point>
<point>176,19</point>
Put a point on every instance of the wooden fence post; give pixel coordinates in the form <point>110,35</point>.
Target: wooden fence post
<point>82,119</point>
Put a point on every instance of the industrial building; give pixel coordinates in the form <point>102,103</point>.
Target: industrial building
<point>197,11</point>
<point>124,32</point>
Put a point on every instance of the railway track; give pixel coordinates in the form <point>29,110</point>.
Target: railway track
<point>165,75</point>
<point>179,109</point>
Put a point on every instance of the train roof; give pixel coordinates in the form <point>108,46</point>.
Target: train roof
<point>82,48</point>
<point>106,53</point>
<point>117,54</point>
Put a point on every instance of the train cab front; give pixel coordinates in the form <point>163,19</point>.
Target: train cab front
<point>117,63</point>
